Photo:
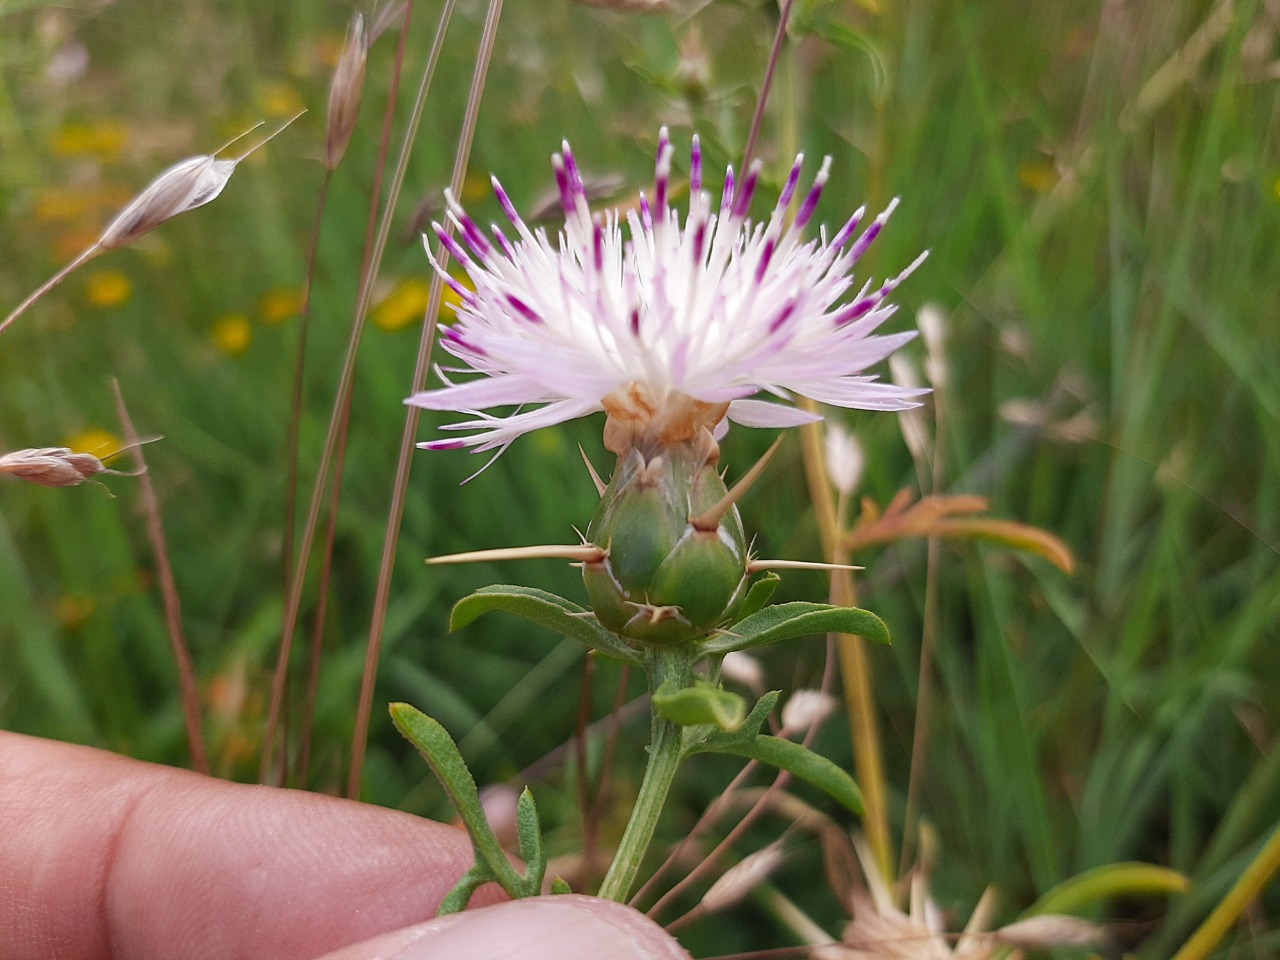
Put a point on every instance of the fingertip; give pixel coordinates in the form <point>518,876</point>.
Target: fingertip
<point>540,928</point>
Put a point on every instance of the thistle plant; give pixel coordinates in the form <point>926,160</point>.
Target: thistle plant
<point>673,329</point>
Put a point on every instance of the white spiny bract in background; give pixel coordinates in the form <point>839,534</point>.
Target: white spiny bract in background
<point>670,327</point>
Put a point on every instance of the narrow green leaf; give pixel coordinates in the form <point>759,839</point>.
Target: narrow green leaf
<point>442,756</point>
<point>786,620</point>
<point>1110,880</point>
<point>701,703</point>
<point>810,767</point>
<point>456,900</point>
<point>545,609</point>
<point>758,595</point>
<point>529,834</point>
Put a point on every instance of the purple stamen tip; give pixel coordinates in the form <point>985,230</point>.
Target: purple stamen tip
<point>476,239</point>
<point>867,239</point>
<point>847,231</point>
<point>789,190</point>
<point>562,183</point>
<point>646,215</point>
<point>597,244</point>
<point>785,314</point>
<point>508,207</point>
<point>726,197</point>
<point>695,166</point>
<point>452,245</point>
<point>523,309</point>
<point>699,241</point>
<point>742,203</point>
<point>766,255</point>
<point>507,249</point>
<point>635,321</point>
<point>443,445</point>
<point>859,309</point>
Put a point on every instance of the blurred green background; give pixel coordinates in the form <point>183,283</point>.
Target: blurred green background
<point>1099,186</point>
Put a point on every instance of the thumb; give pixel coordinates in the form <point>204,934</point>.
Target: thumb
<point>540,928</point>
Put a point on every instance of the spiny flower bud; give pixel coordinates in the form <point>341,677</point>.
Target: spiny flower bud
<point>664,580</point>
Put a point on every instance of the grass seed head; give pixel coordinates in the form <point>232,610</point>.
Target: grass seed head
<point>52,466</point>
<point>345,92</point>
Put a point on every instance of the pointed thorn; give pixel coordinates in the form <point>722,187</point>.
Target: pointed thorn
<point>709,520</point>
<point>755,566</point>
<point>595,477</point>
<point>584,553</point>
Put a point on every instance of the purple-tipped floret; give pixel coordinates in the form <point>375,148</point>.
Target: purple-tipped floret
<point>742,202</point>
<point>508,207</point>
<point>793,178</point>
<point>810,205</point>
<point>695,167</point>
<point>523,309</point>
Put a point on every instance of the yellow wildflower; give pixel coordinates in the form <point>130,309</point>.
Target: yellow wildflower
<point>232,334</point>
<point>279,305</point>
<point>1038,175</point>
<point>103,139</point>
<point>406,305</point>
<point>96,440</point>
<point>277,98</point>
<point>108,288</point>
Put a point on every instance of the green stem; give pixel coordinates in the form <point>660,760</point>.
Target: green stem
<point>1251,883</point>
<point>664,758</point>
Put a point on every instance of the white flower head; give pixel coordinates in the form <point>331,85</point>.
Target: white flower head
<point>670,327</point>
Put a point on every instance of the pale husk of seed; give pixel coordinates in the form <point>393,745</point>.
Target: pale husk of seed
<point>52,466</point>
<point>345,92</point>
<point>186,185</point>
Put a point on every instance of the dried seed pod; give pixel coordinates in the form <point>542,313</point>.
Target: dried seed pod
<point>804,709</point>
<point>52,466</point>
<point>184,186</point>
<point>742,878</point>
<point>845,459</point>
<point>345,92</point>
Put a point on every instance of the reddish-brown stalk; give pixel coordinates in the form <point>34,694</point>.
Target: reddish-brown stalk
<point>580,755</point>
<point>929,630</point>
<point>168,590</point>
<point>762,802</point>
<point>775,54</point>
<point>337,422</point>
<point>401,485</point>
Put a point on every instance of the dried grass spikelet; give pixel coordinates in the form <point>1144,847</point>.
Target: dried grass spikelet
<point>345,91</point>
<point>58,466</point>
<point>743,877</point>
<point>184,186</point>
<point>881,930</point>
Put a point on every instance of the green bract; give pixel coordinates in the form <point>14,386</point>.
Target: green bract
<point>665,581</point>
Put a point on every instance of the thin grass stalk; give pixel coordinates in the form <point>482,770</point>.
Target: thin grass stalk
<point>49,284</point>
<point>401,485</point>
<point>928,635</point>
<point>580,755</point>
<point>341,403</point>
<point>1245,890</point>
<point>709,815</point>
<point>299,371</point>
<point>610,747</point>
<point>855,664</point>
<point>775,54</point>
<point>168,591</point>
<point>761,804</point>
<point>318,621</point>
